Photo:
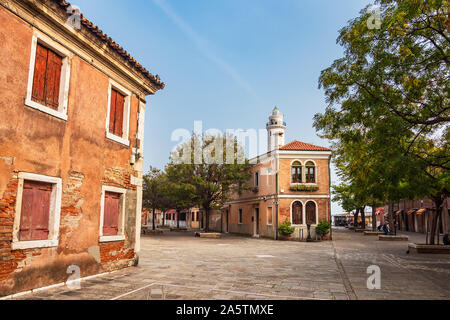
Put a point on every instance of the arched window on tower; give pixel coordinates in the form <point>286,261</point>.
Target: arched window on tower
<point>296,171</point>
<point>311,213</point>
<point>310,172</point>
<point>297,213</point>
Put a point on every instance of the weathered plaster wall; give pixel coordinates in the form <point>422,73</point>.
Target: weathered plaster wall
<point>77,151</point>
<point>322,173</point>
<point>264,198</point>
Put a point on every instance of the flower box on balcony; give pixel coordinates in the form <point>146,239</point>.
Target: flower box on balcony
<point>304,188</point>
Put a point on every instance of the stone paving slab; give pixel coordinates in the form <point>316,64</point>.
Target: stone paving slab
<point>178,266</point>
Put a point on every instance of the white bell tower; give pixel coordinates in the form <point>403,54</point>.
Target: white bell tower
<point>275,130</point>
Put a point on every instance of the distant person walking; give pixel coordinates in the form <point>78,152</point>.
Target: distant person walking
<point>386,228</point>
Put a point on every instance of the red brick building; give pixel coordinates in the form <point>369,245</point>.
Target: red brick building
<point>71,142</point>
<point>416,215</point>
<point>289,183</point>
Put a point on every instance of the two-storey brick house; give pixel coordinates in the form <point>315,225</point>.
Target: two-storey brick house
<point>72,109</point>
<point>289,183</point>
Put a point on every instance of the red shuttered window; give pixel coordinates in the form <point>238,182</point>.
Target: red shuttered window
<point>47,77</point>
<point>35,213</point>
<point>297,213</point>
<point>111,214</point>
<point>116,113</point>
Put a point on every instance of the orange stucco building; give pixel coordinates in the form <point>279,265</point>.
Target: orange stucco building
<point>71,143</point>
<point>291,182</point>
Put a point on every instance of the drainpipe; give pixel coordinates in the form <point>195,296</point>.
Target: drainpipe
<point>329,193</point>
<point>276,197</point>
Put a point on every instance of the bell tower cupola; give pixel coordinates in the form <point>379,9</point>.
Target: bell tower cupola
<point>276,128</point>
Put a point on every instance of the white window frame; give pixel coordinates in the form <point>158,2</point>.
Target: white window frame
<point>121,220</point>
<point>63,99</point>
<point>317,211</point>
<point>290,172</point>
<point>54,216</point>
<point>267,214</point>
<point>124,139</point>
<point>303,214</point>
<point>316,171</point>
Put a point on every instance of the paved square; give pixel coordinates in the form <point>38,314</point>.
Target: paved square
<point>180,266</point>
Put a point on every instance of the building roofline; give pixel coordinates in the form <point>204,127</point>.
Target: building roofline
<point>95,30</point>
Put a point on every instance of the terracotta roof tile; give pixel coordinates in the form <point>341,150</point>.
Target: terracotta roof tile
<point>303,146</point>
<point>113,45</point>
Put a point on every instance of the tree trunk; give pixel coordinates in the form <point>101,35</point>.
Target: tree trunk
<point>374,218</point>
<point>439,218</point>
<point>391,216</point>
<point>438,204</point>
<point>355,219</point>
<point>207,220</point>
<point>154,219</point>
<point>363,218</point>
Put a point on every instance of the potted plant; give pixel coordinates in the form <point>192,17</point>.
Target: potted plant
<point>323,229</point>
<point>286,230</point>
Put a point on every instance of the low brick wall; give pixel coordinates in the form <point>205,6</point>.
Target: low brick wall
<point>393,238</point>
<point>427,248</point>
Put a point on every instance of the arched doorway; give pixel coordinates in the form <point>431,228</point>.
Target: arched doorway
<point>297,213</point>
<point>311,213</point>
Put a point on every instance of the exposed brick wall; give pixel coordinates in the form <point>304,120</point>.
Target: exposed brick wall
<point>8,262</point>
<point>71,206</point>
<point>115,255</point>
<point>11,261</point>
<point>118,177</point>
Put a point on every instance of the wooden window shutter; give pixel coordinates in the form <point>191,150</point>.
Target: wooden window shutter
<point>26,211</point>
<point>53,79</point>
<point>41,211</point>
<point>297,213</point>
<point>47,77</point>
<point>40,69</point>
<point>111,214</point>
<point>112,111</point>
<point>120,102</point>
<point>311,213</point>
<point>35,212</point>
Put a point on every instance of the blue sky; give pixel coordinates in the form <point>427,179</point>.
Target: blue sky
<point>228,62</point>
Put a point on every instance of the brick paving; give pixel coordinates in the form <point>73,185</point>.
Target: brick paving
<point>180,266</point>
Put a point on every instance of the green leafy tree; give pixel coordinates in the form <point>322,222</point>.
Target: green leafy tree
<point>388,109</point>
<point>153,191</point>
<point>212,167</point>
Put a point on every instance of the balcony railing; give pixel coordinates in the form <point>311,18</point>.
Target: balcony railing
<point>275,123</point>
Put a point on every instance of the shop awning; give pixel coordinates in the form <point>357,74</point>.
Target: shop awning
<point>421,211</point>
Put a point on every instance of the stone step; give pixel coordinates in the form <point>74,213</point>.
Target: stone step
<point>373,233</point>
<point>393,238</point>
<point>208,235</point>
<point>428,248</point>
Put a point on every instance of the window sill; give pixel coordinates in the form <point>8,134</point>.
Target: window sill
<point>35,105</point>
<point>112,238</point>
<point>303,225</point>
<point>118,139</point>
<point>22,245</point>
